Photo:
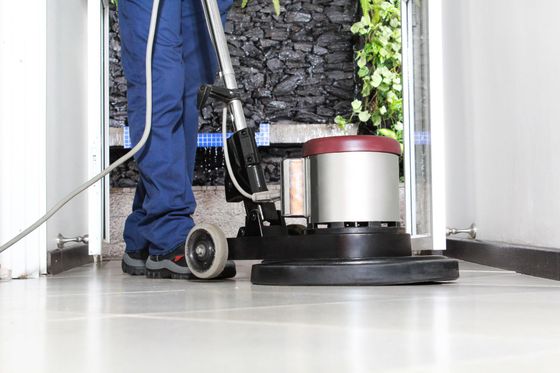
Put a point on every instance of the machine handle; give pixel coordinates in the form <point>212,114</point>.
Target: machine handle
<point>218,37</point>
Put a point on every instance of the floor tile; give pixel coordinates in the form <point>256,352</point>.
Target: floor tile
<point>96,319</point>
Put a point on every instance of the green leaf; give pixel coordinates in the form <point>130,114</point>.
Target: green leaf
<point>362,62</point>
<point>382,110</point>
<point>363,72</point>
<point>365,19</point>
<point>276,4</point>
<point>391,97</point>
<point>356,105</point>
<point>384,88</point>
<point>387,133</point>
<point>340,120</point>
<point>365,4</point>
<point>244,3</point>
<point>364,116</point>
<point>376,79</point>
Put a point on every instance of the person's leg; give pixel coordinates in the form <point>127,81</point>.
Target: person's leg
<point>200,67</point>
<point>169,202</point>
<point>133,238</point>
<point>136,253</point>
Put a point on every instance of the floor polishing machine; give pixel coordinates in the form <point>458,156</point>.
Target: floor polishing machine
<point>345,187</point>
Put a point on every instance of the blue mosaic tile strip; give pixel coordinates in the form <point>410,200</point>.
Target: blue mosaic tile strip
<point>422,138</point>
<point>126,138</point>
<point>213,140</point>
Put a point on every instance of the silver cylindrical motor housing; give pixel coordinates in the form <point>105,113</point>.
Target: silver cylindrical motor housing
<point>353,186</point>
<point>344,179</point>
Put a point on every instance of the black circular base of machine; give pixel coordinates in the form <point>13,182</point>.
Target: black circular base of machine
<point>375,271</point>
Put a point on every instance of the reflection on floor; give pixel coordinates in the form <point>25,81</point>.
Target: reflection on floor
<point>95,319</point>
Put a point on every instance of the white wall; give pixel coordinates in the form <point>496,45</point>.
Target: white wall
<point>43,125</point>
<point>67,141</point>
<point>22,132</point>
<point>502,89</point>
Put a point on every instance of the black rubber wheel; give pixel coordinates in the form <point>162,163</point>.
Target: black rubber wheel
<point>206,251</point>
<point>375,271</point>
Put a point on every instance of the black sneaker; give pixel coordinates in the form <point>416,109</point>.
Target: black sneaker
<point>174,265</point>
<point>134,263</point>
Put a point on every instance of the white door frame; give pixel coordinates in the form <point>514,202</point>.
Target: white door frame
<point>436,239</point>
<point>437,123</point>
<point>98,118</point>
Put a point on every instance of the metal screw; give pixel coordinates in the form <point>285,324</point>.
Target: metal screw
<point>200,250</point>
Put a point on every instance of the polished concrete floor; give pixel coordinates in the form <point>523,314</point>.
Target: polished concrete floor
<point>95,319</point>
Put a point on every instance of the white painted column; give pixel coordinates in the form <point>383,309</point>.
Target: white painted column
<point>437,124</point>
<point>23,133</point>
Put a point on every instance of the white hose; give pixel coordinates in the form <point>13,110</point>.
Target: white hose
<point>120,161</point>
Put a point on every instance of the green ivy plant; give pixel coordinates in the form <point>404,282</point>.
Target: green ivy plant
<point>379,69</point>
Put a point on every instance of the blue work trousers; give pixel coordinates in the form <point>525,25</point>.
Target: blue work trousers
<point>183,59</point>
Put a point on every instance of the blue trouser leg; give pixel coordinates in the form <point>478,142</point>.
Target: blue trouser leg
<point>168,202</point>
<point>134,239</point>
<point>158,220</point>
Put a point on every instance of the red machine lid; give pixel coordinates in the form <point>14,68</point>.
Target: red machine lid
<point>341,144</point>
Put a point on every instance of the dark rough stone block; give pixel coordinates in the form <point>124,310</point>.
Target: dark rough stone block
<point>340,92</point>
<point>291,55</point>
<point>339,15</point>
<point>288,85</point>
<point>320,50</point>
<point>267,43</point>
<point>336,58</point>
<point>250,50</point>
<point>297,17</point>
<point>308,117</point>
<point>325,112</point>
<point>277,34</point>
<point>274,64</point>
<point>327,39</point>
<point>304,47</point>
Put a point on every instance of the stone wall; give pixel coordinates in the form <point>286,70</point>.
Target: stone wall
<point>296,66</point>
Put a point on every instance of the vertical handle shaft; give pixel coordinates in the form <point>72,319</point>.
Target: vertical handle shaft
<point>218,36</point>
